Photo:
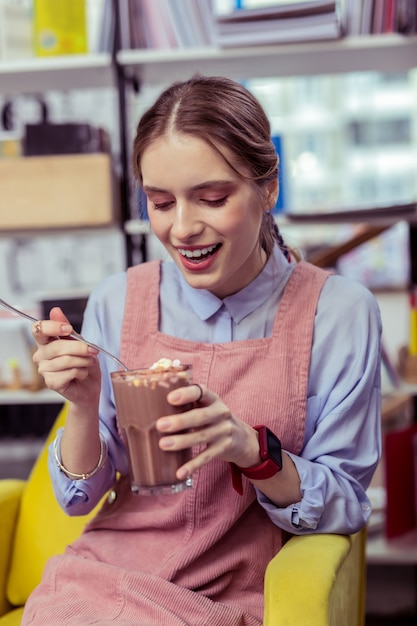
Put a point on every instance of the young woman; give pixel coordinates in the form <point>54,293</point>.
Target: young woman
<point>273,343</point>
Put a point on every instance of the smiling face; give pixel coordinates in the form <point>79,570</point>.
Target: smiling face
<point>205,215</point>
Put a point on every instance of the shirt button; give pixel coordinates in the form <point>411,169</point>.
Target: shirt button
<point>112,496</point>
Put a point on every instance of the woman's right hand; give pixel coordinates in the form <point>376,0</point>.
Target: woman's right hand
<point>68,367</point>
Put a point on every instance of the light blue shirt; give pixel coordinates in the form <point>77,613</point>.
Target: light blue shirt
<point>342,439</point>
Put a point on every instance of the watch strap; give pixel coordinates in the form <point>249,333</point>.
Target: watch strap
<point>236,478</point>
<point>264,470</point>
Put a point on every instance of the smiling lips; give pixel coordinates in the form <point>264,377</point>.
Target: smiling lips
<point>197,253</point>
<point>198,258</point>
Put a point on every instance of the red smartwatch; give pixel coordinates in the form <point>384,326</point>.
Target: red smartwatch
<point>271,455</point>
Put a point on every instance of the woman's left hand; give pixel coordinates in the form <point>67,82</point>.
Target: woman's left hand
<point>210,422</point>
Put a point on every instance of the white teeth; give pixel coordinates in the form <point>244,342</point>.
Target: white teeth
<point>195,254</point>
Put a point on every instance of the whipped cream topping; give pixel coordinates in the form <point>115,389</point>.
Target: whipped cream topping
<point>166,364</point>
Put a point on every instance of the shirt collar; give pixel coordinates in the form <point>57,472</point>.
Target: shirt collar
<point>273,276</point>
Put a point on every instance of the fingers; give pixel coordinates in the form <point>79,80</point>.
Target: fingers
<point>215,450</point>
<point>193,393</point>
<point>37,328</point>
<point>210,409</point>
<point>57,326</point>
<point>210,426</point>
<point>58,315</point>
<point>59,359</point>
<point>47,334</point>
<point>58,355</point>
<point>61,380</point>
<point>201,392</point>
<point>69,367</point>
<point>45,330</point>
<point>214,441</point>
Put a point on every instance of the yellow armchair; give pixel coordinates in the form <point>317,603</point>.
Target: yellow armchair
<point>315,580</point>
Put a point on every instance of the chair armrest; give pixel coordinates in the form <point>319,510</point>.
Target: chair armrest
<point>10,494</point>
<point>317,579</point>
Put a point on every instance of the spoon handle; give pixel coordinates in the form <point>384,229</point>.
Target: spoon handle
<point>73,335</point>
<point>11,308</point>
<point>78,337</point>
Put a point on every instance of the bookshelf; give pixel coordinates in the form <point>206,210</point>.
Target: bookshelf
<point>401,551</point>
<point>386,53</point>
<point>23,396</point>
<point>34,75</point>
<point>372,221</point>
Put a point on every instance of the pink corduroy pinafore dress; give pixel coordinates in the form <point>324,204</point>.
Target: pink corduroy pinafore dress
<point>197,558</point>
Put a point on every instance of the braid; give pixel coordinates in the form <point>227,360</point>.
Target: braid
<point>281,242</point>
<point>270,235</point>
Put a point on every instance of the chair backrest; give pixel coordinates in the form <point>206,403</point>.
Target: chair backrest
<point>42,530</point>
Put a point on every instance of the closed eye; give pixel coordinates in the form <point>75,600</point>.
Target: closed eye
<point>160,206</point>
<point>217,202</point>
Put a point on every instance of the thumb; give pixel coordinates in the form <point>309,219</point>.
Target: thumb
<point>56,315</point>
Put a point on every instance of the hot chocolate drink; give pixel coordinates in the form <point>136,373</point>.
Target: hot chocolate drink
<point>141,398</point>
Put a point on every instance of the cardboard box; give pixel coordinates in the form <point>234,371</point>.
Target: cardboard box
<point>60,191</point>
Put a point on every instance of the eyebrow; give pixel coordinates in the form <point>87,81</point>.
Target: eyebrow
<point>201,186</point>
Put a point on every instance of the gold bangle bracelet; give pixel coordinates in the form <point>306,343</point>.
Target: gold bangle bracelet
<point>101,462</point>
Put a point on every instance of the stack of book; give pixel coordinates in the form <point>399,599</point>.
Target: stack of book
<point>173,24</point>
<point>15,30</point>
<point>166,24</point>
<point>378,17</point>
<point>59,27</point>
<point>42,28</point>
<point>278,22</point>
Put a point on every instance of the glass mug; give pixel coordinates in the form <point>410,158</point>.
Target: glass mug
<point>141,398</point>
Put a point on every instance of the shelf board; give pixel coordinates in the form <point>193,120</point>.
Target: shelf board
<point>23,396</point>
<point>36,75</point>
<point>400,551</point>
<point>385,53</point>
<point>381,216</point>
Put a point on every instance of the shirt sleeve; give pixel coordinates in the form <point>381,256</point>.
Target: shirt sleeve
<point>102,325</point>
<point>342,444</point>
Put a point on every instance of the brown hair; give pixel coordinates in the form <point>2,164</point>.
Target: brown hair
<point>221,112</point>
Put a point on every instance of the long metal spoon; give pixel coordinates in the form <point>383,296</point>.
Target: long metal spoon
<point>73,335</point>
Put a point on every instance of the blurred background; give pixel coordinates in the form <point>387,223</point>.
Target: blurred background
<point>339,84</point>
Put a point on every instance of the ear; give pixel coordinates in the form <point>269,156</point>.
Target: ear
<point>271,197</point>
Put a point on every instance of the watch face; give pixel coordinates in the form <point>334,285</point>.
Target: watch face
<point>274,447</point>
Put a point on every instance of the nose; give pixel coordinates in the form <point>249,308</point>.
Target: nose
<point>185,223</point>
